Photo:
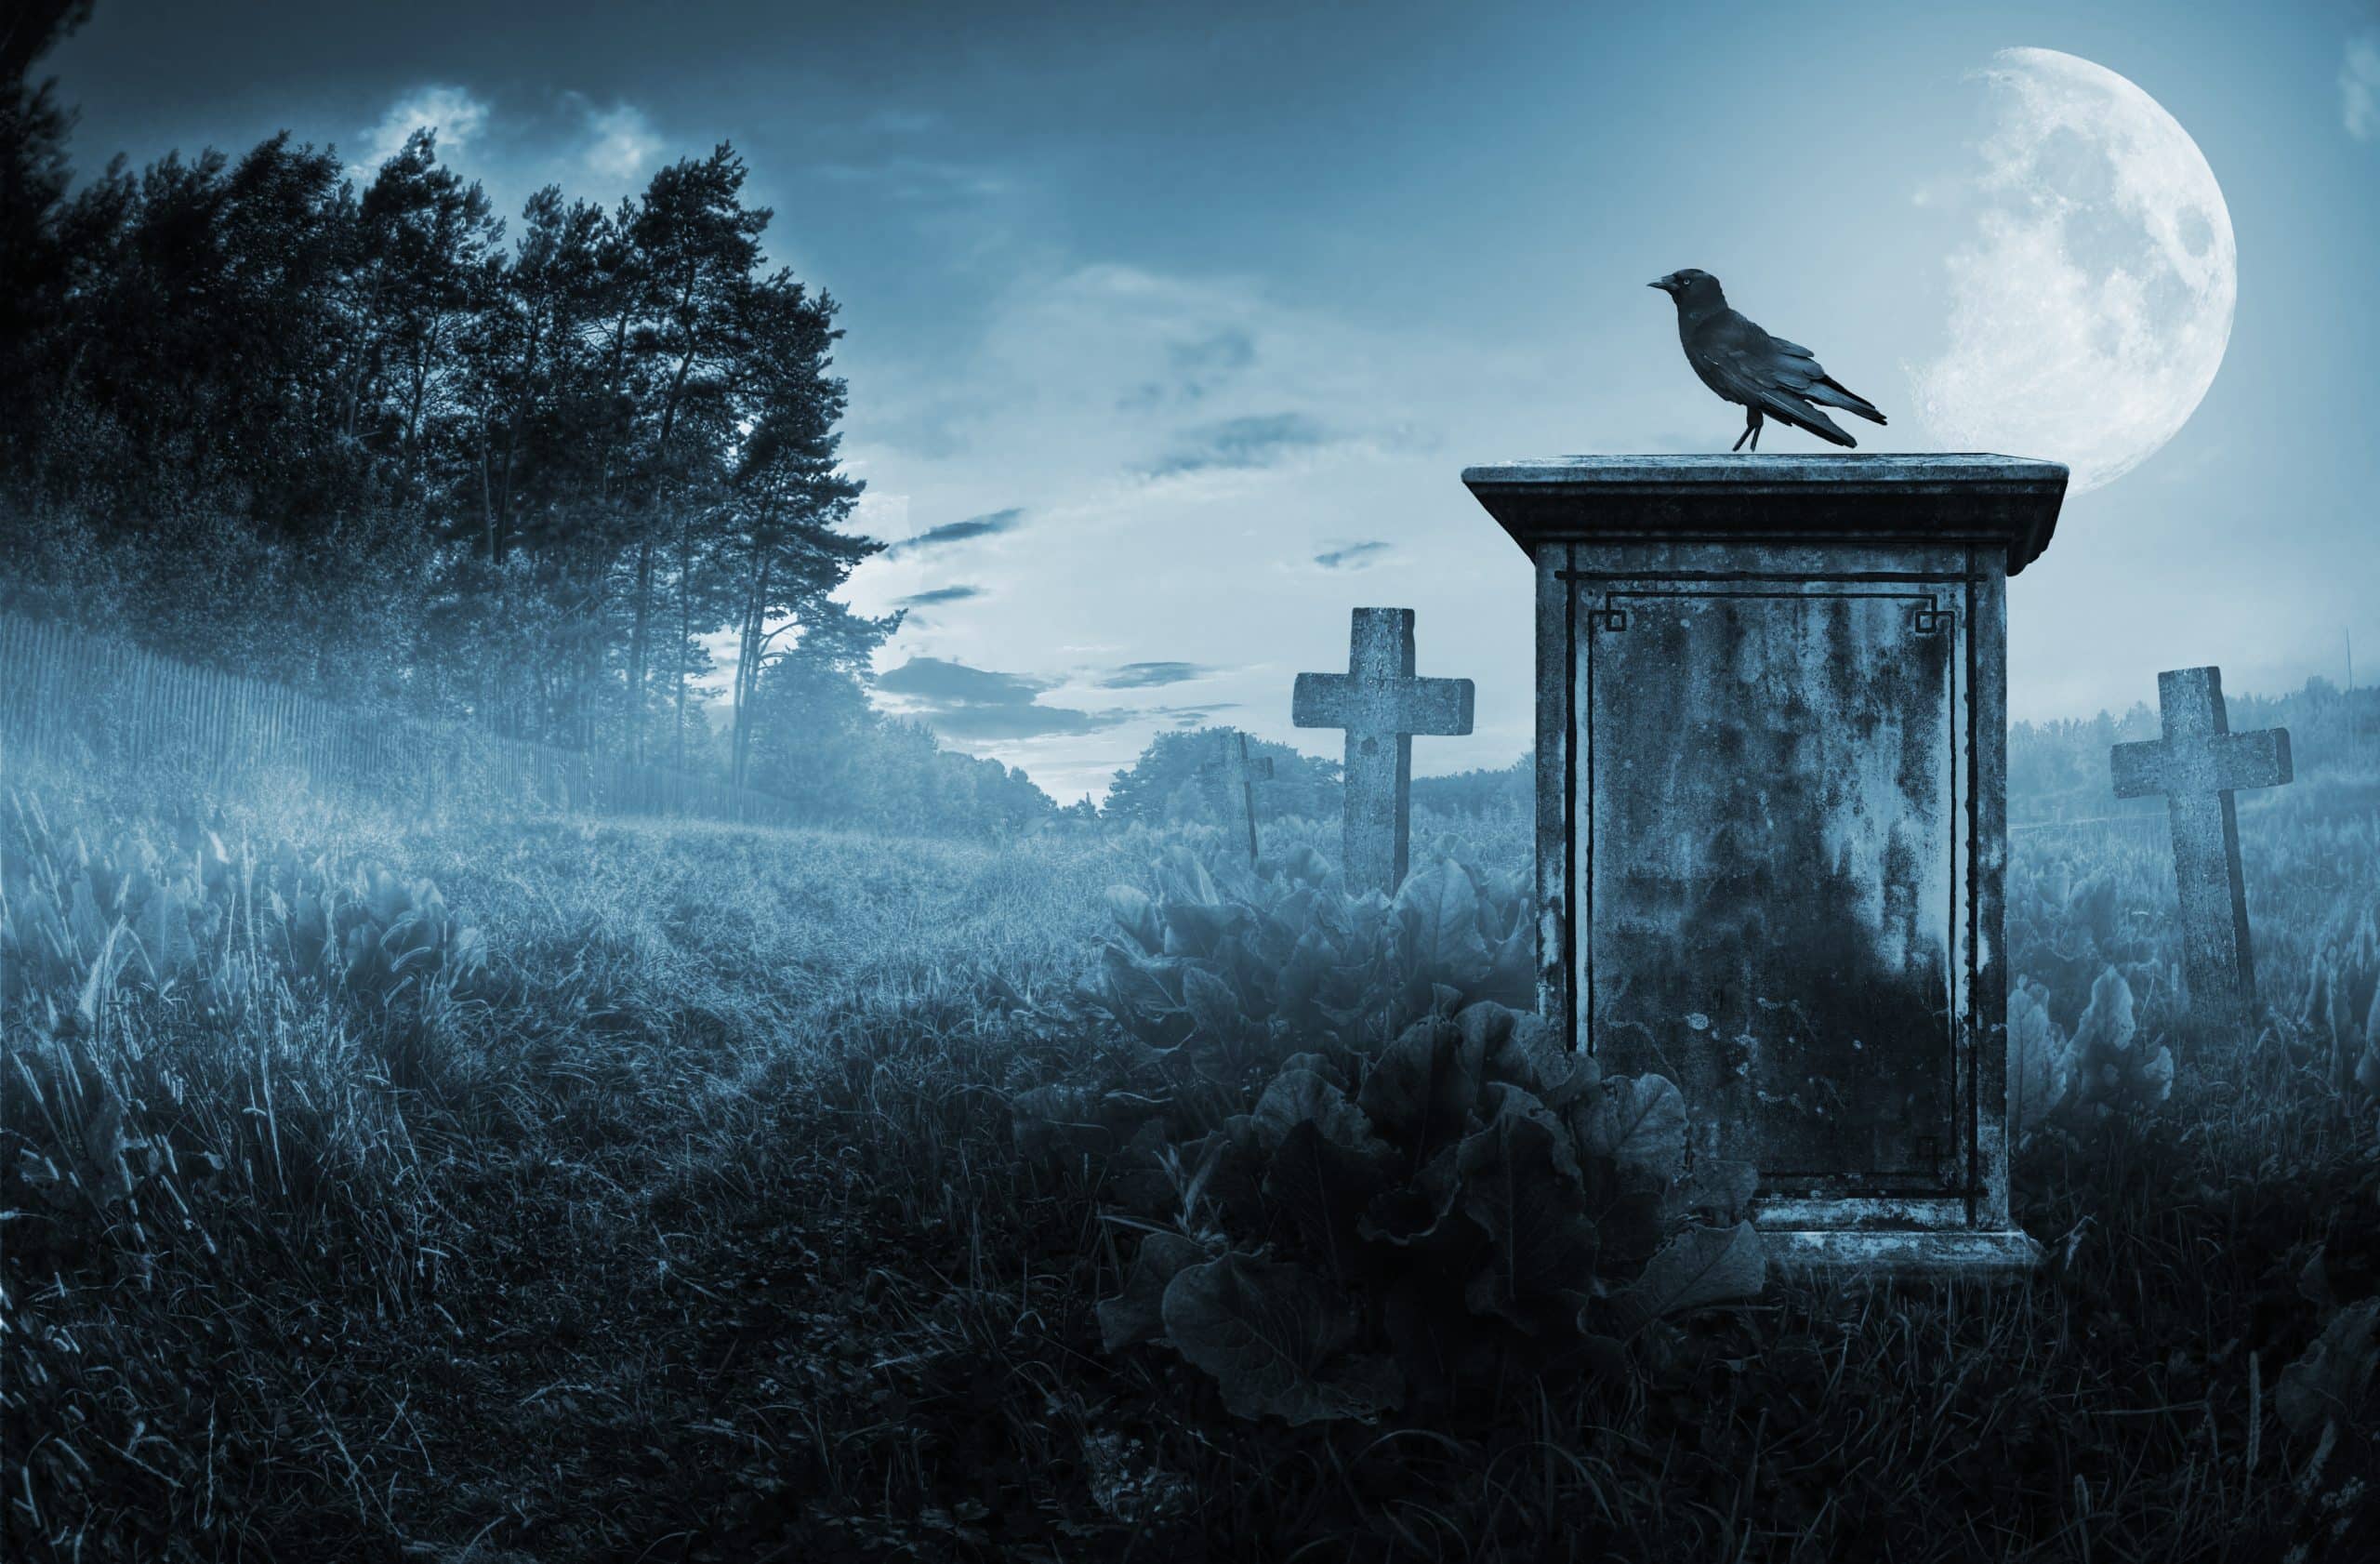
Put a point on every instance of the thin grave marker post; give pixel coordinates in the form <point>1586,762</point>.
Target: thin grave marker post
<point>2196,765</point>
<point>1381,704</point>
<point>1240,775</point>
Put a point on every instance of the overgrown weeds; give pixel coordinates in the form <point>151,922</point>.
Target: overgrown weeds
<point>685,1222</point>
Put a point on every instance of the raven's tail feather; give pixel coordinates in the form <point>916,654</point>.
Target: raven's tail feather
<point>1831,393</point>
<point>1786,406</point>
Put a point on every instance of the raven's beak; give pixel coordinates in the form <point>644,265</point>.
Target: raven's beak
<point>1663,286</point>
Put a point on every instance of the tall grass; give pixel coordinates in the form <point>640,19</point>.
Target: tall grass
<point>687,1227</point>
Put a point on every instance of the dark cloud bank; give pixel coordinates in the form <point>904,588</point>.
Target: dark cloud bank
<point>985,525</point>
<point>1147,676</point>
<point>978,703</point>
<point>1353,556</point>
<point>940,595</point>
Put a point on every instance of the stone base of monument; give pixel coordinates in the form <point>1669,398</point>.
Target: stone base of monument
<point>2009,1256</point>
<point>1937,1237</point>
<point>1772,713</point>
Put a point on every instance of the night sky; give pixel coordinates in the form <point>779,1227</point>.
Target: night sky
<point>1170,329</point>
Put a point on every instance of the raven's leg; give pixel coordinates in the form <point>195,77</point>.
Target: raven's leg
<point>1751,430</point>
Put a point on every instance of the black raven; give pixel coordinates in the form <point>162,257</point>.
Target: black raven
<point>1765,375</point>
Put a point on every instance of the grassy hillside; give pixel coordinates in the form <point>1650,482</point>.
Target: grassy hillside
<point>568,1191</point>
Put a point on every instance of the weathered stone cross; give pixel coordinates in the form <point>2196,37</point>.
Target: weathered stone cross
<point>2196,765</point>
<point>1382,705</point>
<point>1240,775</point>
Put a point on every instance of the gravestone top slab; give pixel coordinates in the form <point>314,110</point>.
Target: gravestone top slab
<point>1912,497</point>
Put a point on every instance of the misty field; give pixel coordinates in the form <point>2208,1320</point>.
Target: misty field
<point>562,1190</point>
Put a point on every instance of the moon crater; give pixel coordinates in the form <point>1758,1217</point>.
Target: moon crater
<point>2092,301</point>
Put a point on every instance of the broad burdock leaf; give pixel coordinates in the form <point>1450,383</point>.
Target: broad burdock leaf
<point>1298,1095</point>
<point>1200,929</point>
<point>1135,914</point>
<point>1700,1266</point>
<point>385,896</point>
<point>1438,916</point>
<point>1520,1048</point>
<point>1512,975</point>
<point>2154,1081</point>
<point>1181,878</point>
<point>1521,1187</point>
<point>1212,1004</point>
<point>2036,1056</point>
<point>1413,1211</point>
<point>1422,1089</point>
<point>1320,1064</point>
<point>2104,1072</point>
<point>1143,994</point>
<point>2333,1378</point>
<point>1724,1187</point>
<point>1637,1123</point>
<point>1137,1313</point>
<point>1296,866</point>
<point>1272,1337</point>
<point>1322,1186</point>
<point>2107,1025</point>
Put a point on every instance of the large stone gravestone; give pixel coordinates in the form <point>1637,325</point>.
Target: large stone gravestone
<point>1771,818</point>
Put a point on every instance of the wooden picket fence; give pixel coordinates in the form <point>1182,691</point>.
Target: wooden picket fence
<point>73,699</point>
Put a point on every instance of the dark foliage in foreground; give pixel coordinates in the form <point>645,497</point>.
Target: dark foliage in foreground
<point>690,1226</point>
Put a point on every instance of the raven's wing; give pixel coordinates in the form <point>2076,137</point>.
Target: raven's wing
<point>1800,370</point>
<point>1760,374</point>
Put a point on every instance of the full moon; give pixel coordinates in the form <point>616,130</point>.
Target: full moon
<point>2092,300</point>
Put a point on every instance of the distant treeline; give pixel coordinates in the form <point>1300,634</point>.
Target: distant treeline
<point>1176,778</point>
<point>359,439</point>
<point>2059,770</point>
<point>2055,770</point>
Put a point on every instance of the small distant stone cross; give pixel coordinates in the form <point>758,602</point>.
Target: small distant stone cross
<point>1240,775</point>
<point>1382,705</point>
<point>2196,765</point>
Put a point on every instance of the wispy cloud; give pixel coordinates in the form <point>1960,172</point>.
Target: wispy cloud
<point>1257,441</point>
<point>622,146</point>
<point>1195,366</point>
<point>453,112</point>
<point>967,703</point>
<point>905,178</point>
<point>1192,716</point>
<point>939,595</point>
<point>1351,556</point>
<point>1083,383</point>
<point>1147,676</point>
<point>985,525</point>
<point>2359,86</point>
<point>901,122</point>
